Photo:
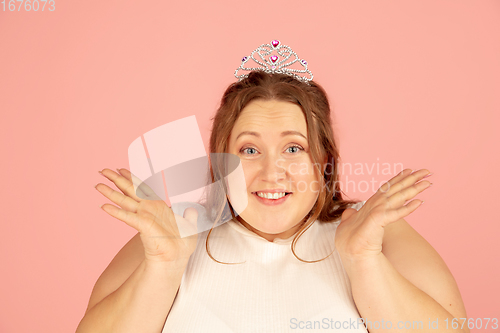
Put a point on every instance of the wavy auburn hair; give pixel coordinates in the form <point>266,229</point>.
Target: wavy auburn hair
<point>313,101</point>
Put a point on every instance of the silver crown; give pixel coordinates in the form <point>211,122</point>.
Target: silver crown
<point>275,63</point>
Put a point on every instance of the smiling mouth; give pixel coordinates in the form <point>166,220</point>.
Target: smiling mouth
<point>271,195</point>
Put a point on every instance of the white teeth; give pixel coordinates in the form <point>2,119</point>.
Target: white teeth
<point>271,195</point>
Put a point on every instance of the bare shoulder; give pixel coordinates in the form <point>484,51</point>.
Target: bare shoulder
<point>118,271</point>
<point>415,259</point>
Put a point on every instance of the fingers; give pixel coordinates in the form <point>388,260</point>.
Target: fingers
<point>410,180</point>
<point>129,218</point>
<point>151,218</point>
<point>125,173</point>
<point>120,214</point>
<point>132,187</point>
<point>191,214</point>
<point>403,180</point>
<point>143,190</point>
<point>399,198</point>
<point>388,185</point>
<point>404,188</point>
<point>124,184</point>
<point>403,211</point>
<point>118,198</point>
<point>389,201</point>
<point>188,226</point>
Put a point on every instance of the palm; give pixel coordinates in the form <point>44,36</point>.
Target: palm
<point>360,233</point>
<point>161,238</point>
<point>147,213</point>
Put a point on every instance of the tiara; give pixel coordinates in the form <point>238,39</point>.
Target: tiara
<point>275,63</point>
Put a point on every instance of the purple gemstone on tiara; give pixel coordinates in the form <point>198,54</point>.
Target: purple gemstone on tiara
<point>273,67</point>
<point>275,43</point>
<point>244,59</point>
<point>304,62</point>
<point>274,58</point>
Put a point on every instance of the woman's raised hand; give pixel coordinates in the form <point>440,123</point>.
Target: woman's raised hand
<point>359,235</point>
<point>151,217</point>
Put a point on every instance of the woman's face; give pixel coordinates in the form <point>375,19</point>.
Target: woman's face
<point>270,138</point>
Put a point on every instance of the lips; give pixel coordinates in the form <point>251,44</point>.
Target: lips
<point>272,202</point>
<point>279,190</point>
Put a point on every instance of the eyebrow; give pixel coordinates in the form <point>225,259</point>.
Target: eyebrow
<point>285,133</point>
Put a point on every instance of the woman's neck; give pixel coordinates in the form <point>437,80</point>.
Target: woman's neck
<point>270,237</point>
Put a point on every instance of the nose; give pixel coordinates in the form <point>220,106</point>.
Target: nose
<point>272,169</point>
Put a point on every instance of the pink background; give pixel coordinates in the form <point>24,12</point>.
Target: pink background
<point>411,82</point>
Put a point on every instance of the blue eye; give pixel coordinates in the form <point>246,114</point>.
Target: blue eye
<point>243,149</point>
<point>296,146</point>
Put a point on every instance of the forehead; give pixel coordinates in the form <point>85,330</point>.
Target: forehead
<point>270,116</point>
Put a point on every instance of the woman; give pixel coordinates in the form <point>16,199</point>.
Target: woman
<point>299,257</point>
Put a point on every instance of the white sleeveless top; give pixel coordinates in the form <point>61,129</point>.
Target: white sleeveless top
<point>272,291</point>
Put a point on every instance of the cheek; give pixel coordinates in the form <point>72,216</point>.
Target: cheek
<point>302,169</point>
<point>294,169</point>
<point>306,180</point>
<point>250,171</point>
